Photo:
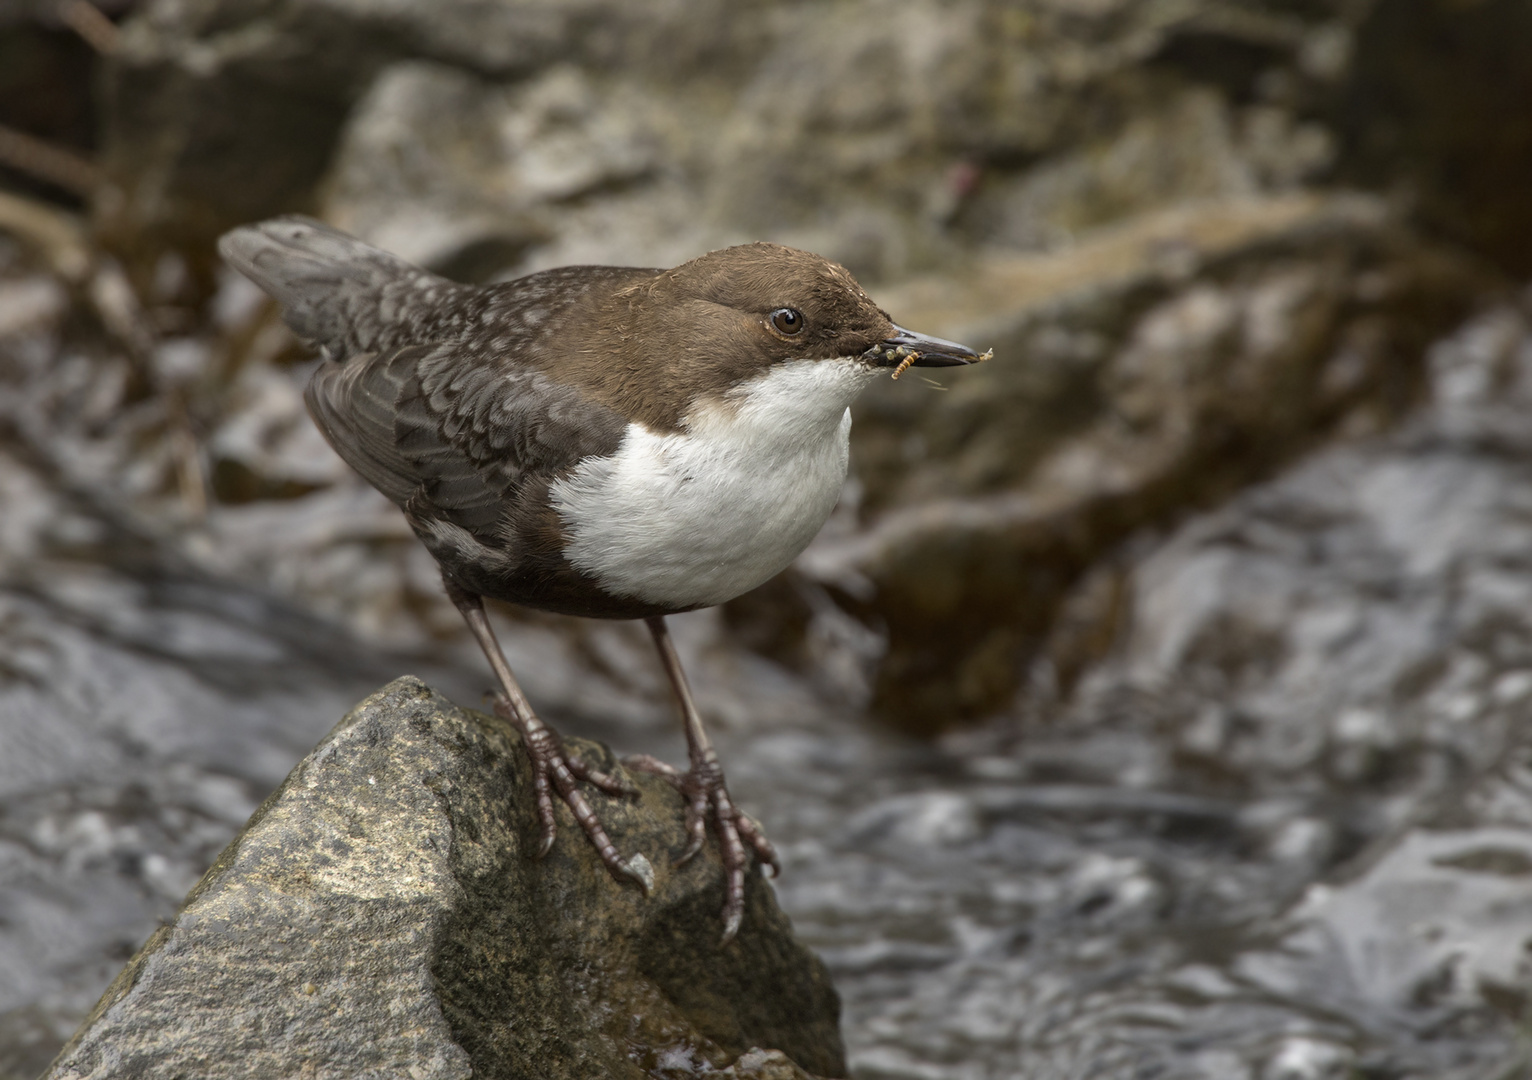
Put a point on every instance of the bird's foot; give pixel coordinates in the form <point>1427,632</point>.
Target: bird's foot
<point>707,797</point>
<point>554,769</point>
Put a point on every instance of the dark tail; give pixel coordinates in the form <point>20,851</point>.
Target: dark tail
<point>335,291</point>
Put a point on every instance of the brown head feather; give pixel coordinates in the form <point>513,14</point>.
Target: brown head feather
<point>650,348</point>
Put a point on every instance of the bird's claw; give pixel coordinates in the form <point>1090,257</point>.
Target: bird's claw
<point>556,771</point>
<point>706,795</point>
<point>642,873</point>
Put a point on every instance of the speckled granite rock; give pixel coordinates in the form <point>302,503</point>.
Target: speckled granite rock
<point>379,915</point>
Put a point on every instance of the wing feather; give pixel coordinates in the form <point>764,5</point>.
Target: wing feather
<point>456,439</point>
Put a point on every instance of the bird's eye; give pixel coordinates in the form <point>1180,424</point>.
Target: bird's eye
<point>786,321</point>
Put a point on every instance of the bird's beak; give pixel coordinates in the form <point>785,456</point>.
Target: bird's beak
<point>921,350</point>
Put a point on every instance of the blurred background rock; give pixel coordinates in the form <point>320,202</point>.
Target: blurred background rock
<point>1236,518</point>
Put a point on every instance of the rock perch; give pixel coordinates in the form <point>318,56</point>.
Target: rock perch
<point>379,916</point>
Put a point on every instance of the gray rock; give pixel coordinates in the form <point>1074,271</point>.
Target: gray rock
<point>221,112</point>
<point>379,915</point>
<point>605,131</point>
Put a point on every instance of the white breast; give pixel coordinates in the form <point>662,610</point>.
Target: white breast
<point>698,517</point>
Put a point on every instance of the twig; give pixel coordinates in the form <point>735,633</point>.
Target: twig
<point>123,314</point>
<point>191,470</point>
<point>54,233</point>
<point>31,155</point>
<point>87,20</point>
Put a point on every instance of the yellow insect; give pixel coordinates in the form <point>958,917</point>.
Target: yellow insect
<point>904,365</point>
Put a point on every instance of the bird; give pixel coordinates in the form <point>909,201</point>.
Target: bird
<point>598,441</point>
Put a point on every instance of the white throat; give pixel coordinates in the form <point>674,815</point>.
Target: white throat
<point>698,517</point>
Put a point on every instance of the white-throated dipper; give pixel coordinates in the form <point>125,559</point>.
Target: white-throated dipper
<point>612,442</point>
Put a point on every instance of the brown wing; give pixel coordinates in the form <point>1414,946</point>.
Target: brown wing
<point>458,438</point>
<point>430,389</point>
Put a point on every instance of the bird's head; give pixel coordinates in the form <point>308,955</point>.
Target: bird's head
<point>757,319</point>
<point>766,304</point>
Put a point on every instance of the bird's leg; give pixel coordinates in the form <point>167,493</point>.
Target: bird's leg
<point>706,795</point>
<point>553,768</point>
